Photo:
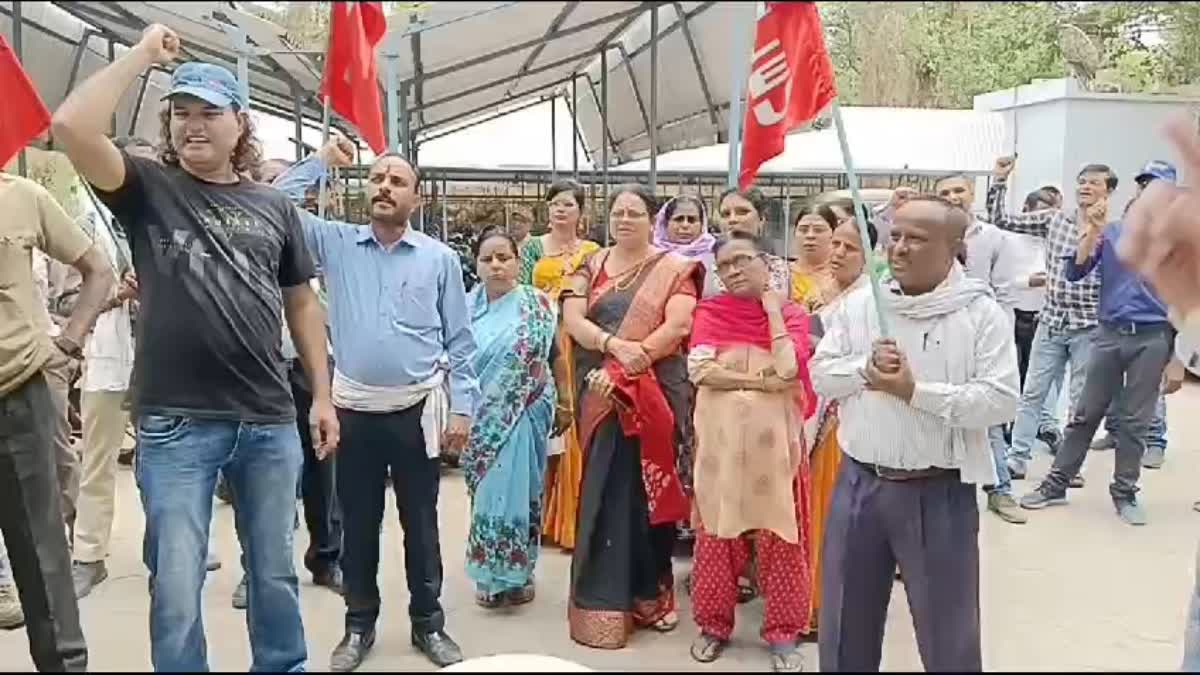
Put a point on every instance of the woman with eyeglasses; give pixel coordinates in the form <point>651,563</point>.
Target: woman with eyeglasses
<point>629,309</point>
<point>847,266</point>
<point>545,260</point>
<point>748,359</point>
<point>682,227</point>
<point>746,211</point>
<point>812,283</point>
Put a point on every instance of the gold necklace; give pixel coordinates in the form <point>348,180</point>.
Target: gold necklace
<point>633,273</point>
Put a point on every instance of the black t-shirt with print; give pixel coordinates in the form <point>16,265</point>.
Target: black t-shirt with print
<point>211,260</point>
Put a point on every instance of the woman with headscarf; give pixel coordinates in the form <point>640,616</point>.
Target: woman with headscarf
<point>504,463</point>
<point>545,261</point>
<point>748,359</point>
<point>682,227</point>
<point>812,284</point>
<point>847,264</point>
<point>629,309</point>
<point>746,211</point>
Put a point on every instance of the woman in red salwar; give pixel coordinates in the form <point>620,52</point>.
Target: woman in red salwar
<point>748,359</point>
<point>629,308</point>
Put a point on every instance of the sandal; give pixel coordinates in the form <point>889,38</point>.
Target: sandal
<point>668,623</point>
<point>746,590</point>
<point>787,660</point>
<point>490,601</point>
<point>707,648</point>
<point>521,596</point>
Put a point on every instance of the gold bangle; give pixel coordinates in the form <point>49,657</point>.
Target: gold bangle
<point>781,336</point>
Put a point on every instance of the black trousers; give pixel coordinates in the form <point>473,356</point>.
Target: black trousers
<point>318,486</point>
<point>930,528</point>
<point>371,445</point>
<point>1126,365</point>
<point>32,523</point>
<point>1024,326</point>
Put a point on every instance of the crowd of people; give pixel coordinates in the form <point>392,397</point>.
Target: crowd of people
<point>806,437</point>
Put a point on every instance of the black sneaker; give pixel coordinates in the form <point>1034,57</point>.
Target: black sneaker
<point>1043,497</point>
<point>1052,438</point>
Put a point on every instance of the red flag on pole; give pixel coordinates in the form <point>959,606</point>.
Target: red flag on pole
<point>791,81</point>
<point>25,116</point>
<point>350,82</point>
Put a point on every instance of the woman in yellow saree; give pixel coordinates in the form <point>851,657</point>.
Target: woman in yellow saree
<point>545,261</point>
<point>811,281</point>
<point>847,262</point>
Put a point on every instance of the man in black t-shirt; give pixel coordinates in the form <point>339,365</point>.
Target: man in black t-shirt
<point>219,261</point>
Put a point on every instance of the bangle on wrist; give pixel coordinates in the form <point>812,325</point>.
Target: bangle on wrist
<point>781,336</point>
<point>604,343</point>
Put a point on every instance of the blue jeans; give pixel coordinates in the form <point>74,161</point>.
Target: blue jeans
<point>177,463</point>
<point>1156,435</point>
<point>1053,351</point>
<point>1191,631</point>
<point>1003,484</point>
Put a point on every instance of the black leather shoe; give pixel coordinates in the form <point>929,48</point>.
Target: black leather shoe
<point>351,651</point>
<point>330,578</point>
<point>438,648</point>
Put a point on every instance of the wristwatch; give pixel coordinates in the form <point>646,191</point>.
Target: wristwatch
<point>68,346</point>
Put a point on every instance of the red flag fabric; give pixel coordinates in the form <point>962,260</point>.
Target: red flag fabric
<point>350,82</point>
<point>25,116</point>
<point>791,81</point>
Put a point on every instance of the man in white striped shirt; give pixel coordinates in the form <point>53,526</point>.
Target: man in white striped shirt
<point>915,410</point>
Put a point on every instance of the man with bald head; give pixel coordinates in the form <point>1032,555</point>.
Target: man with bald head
<point>398,313</point>
<point>916,406</point>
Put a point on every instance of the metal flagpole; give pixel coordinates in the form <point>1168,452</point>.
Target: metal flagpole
<point>860,213</point>
<point>743,46</point>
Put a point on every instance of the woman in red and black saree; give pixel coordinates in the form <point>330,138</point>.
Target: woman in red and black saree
<point>629,309</point>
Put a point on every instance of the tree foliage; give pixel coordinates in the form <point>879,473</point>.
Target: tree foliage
<point>942,54</point>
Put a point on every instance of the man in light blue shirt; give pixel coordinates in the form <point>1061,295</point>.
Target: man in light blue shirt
<point>404,386</point>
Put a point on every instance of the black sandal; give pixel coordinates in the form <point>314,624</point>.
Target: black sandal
<point>707,648</point>
<point>746,591</point>
<point>522,596</point>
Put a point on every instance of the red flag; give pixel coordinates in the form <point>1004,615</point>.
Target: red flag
<point>25,116</point>
<point>791,81</point>
<point>350,82</point>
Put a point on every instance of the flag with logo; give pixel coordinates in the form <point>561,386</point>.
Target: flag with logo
<point>25,116</point>
<point>791,81</point>
<point>350,81</point>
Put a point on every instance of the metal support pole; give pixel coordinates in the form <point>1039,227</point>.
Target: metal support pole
<point>298,118</point>
<point>553,139</point>
<point>654,99</point>
<point>743,46</point>
<point>391,59</point>
<point>445,205</point>
<point>137,105</point>
<point>604,131</point>
<point>324,180</point>
<point>787,221</point>
<point>18,21</point>
<point>242,48</point>
<point>574,129</point>
<point>112,57</point>
<point>405,141</point>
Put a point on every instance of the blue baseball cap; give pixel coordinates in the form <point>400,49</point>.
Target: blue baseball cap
<point>1156,169</point>
<point>208,82</point>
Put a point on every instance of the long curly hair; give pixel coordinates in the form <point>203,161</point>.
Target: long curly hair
<point>247,154</point>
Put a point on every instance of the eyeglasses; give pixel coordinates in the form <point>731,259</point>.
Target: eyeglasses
<point>628,215</point>
<point>682,218</point>
<point>738,263</point>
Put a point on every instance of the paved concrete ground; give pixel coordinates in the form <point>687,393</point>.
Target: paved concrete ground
<point>1073,590</point>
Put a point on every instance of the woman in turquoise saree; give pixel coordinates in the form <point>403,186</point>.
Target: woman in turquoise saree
<point>505,460</point>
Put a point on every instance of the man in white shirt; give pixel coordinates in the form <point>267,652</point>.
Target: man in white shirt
<point>992,257</point>
<point>107,368</point>
<point>915,410</point>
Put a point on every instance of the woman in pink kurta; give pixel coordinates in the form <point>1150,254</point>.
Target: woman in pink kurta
<point>748,359</point>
